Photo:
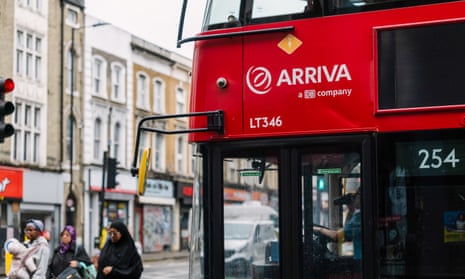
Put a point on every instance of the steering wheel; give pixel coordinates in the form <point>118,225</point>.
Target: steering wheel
<point>322,237</point>
<point>320,246</point>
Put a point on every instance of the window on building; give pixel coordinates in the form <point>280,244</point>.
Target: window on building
<point>159,152</point>
<point>180,101</point>
<point>36,144</point>
<point>19,61</point>
<point>192,159</point>
<point>180,157</point>
<point>39,5</point>
<point>27,116</point>
<point>38,59</point>
<point>17,136</point>
<point>38,45</point>
<point>69,69</point>
<point>37,67</point>
<point>28,133</point>
<point>142,88</point>
<point>72,17</point>
<point>232,171</point>
<point>34,5</point>
<point>70,136</point>
<point>27,150</point>
<point>29,42</point>
<point>159,96</point>
<point>19,52</point>
<point>143,144</point>
<point>18,113</point>
<point>97,138</point>
<point>37,118</point>
<point>28,55</point>
<point>20,39</point>
<point>116,140</point>
<point>29,65</point>
<point>98,76</point>
<point>117,82</point>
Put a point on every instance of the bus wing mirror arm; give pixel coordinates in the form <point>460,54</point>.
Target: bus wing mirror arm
<point>215,122</point>
<point>181,22</point>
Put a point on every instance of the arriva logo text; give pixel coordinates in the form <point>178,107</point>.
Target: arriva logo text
<point>259,79</point>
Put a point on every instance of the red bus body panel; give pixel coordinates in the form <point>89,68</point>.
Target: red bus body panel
<point>320,80</point>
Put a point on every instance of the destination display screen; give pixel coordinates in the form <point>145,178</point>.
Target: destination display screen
<point>421,66</point>
<point>431,158</point>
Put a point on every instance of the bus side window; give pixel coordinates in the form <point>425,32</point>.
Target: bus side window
<point>276,8</point>
<point>313,8</point>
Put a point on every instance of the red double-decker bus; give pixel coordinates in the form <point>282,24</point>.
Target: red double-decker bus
<point>329,138</point>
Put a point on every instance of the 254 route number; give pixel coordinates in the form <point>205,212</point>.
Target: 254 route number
<point>435,158</point>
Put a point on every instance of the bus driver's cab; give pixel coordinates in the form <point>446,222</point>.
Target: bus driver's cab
<point>336,242</point>
<point>320,204</point>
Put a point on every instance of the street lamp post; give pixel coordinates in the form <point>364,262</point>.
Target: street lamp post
<point>71,198</point>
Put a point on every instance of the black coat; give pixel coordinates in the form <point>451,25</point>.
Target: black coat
<point>61,261</point>
<point>122,256</point>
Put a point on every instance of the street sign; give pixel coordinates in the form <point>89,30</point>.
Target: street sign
<point>249,173</point>
<point>329,171</point>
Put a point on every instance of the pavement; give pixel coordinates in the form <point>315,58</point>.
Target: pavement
<point>165,255</point>
<point>149,257</point>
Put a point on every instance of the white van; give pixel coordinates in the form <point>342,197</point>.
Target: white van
<point>244,243</point>
<point>251,210</point>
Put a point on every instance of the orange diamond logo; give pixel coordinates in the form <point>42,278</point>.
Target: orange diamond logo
<point>289,44</point>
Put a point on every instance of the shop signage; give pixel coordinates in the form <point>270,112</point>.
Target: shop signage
<point>11,184</point>
<point>159,188</point>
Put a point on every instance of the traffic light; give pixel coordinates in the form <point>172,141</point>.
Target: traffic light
<point>112,172</point>
<point>321,183</point>
<point>6,86</point>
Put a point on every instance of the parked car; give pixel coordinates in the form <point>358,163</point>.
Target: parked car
<point>244,243</point>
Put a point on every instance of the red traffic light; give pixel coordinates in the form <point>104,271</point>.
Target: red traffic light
<point>7,85</point>
<point>6,130</point>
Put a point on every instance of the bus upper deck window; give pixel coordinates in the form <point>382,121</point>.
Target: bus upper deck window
<point>277,8</point>
<point>222,14</point>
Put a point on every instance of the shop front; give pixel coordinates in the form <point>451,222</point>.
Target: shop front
<point>184,196</point>
<point>26,194</point>
<point>11,193</point>
<point>156,210</point>
<point>117,205</point>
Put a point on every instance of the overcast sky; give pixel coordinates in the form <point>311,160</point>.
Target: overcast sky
<point>153,20</point>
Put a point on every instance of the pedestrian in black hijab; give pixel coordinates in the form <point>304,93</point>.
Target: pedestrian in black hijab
<point>119,257</point>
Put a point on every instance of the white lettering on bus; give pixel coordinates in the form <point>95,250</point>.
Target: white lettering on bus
<point>334,92</point>
<point>317,74</point>
<point>265,122</point>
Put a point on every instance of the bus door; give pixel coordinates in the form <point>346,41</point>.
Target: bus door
<point>287,212</point>
<point>250,212</point>
<point>335,181</point>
